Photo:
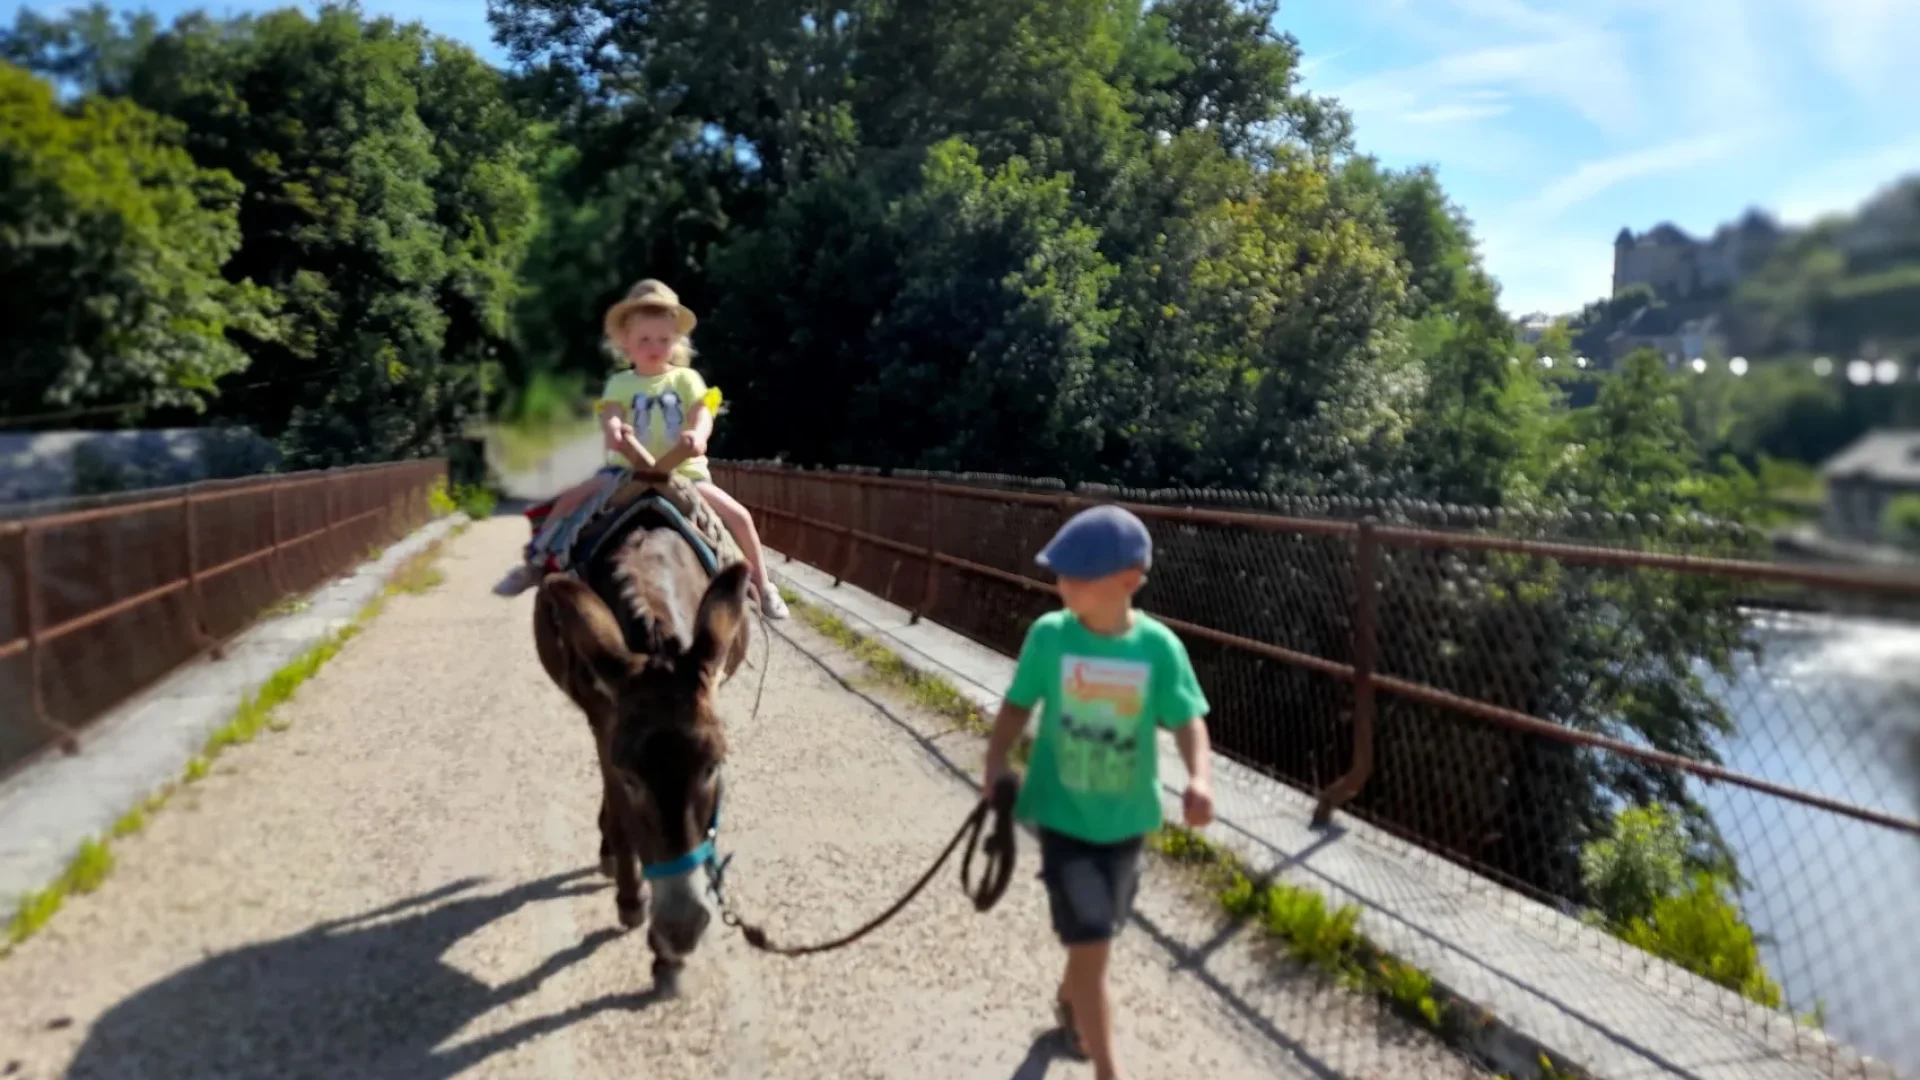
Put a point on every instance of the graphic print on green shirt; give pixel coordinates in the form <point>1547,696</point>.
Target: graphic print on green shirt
<point>1094,772</point>
<point>658,406</point>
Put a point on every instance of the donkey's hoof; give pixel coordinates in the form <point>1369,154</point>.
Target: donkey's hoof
<point>632,916</point>
<point>666,979</point>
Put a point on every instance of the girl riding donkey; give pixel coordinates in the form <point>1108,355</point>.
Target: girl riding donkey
<point>665,406</point>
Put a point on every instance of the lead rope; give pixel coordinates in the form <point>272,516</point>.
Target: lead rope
<point>996,875</point>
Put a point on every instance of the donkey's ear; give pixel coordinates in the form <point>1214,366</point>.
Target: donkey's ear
<point>587,630</point>
<point>723,611</point>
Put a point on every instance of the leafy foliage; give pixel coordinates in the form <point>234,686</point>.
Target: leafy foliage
<point>1643,860</point>
<point>1900,521</point>
<point>1702,931</point>
<point>1650,887</point>
<point>112,242</point>
<point>387,206</point>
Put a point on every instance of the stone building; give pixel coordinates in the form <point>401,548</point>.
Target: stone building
<point>1676,266</point>
<point>1864,477</point>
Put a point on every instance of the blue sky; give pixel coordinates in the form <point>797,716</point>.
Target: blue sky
<point>1555,122</point>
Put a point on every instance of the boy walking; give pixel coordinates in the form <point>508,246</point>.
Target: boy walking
<point>1109,675</point>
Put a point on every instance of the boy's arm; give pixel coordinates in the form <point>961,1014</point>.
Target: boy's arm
<point>1183,707</point>
<point>1196,751</point>
<point>1030,679</point>
<point>1007,726</point>
<point>1197,803</point>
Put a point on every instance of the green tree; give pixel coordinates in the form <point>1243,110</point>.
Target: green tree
<point>111,247</point>
<point>1900,522</point>
<point>386,205</point>
<point>1702,930</point>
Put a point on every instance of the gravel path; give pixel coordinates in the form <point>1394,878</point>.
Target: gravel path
<point>400,885</point>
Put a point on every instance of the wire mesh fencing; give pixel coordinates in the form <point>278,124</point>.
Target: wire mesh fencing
<point>103,600</point>
<point>1700,763</point>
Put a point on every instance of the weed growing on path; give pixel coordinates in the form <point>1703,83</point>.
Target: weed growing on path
<point>1328,938</point>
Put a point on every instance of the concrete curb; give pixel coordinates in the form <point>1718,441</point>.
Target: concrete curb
<point>48,810</point>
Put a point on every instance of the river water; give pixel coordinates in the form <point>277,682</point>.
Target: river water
<point>1833,707</point>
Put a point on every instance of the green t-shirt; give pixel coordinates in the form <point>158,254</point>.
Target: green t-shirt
<point>658,406</point>
<point>1094,774</point>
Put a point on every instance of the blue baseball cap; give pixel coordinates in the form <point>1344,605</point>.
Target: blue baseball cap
<point>1096,542</point>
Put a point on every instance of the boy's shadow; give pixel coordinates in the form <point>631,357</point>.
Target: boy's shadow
<point>368,996</point>
<point>1049,1047</point>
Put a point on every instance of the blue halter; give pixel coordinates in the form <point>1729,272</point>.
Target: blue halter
<point>701,855</point>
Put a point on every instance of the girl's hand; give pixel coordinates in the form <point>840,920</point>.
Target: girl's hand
<point>612,429</point>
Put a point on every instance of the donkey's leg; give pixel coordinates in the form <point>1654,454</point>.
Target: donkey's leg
<point>666,966</point>
<point>606,836</point>
<point>627,899</point>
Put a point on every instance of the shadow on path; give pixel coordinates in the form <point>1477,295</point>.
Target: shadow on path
<point>368,996</point>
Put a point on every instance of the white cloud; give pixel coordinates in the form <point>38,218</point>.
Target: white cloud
<point>1867,44</point>
<point>1557,119</point>
<point>1595,177</point>
<point>1583,73</point>
<point>1455,112</point>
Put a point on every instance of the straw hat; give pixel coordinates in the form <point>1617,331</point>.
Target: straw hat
<point>652,297</point>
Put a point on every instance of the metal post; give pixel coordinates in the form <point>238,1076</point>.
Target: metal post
<point>195,597</point>
<point>930,589</point>
<point>799,530</point>
<point>36,651</point>
<point>330,486</point>
<point>276,574</point>
<point>852,541</point>
<point>388,513</point>
<point>1365,650</point>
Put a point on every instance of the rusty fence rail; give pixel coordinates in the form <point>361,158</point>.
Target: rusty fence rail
<point>1497,700</point>
<point>103,601</point>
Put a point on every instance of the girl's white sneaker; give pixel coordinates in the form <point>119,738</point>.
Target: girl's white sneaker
<point>518,580</point>
<point>772,606</point>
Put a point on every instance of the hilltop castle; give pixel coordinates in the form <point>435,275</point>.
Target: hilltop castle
<point>1676,266</point>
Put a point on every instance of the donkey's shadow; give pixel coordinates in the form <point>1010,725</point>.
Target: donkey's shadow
<point>368,996</point>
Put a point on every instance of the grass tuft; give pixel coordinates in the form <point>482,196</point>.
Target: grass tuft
<point>1326,938</point>
<point>255,713</point>
<point>418,574</point>
<point>930,692</point>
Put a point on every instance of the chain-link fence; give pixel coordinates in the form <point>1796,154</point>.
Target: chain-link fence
<point>103,599</point>
<point>1715,759</point>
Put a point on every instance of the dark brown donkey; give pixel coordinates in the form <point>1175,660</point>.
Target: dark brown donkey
<point>641,641</point>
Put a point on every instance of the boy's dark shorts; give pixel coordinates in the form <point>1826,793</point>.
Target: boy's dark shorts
<point>1090,887</point>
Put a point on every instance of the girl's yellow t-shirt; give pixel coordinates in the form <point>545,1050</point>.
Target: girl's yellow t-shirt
<point>658,407</point>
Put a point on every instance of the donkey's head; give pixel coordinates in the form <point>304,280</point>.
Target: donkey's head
<point>661,741</point>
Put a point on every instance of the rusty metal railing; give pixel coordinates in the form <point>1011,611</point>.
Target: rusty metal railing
<point>107,600</point>
<point>1366,538</point>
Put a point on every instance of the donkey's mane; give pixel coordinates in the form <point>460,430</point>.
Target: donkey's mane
<point>633,604</point>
